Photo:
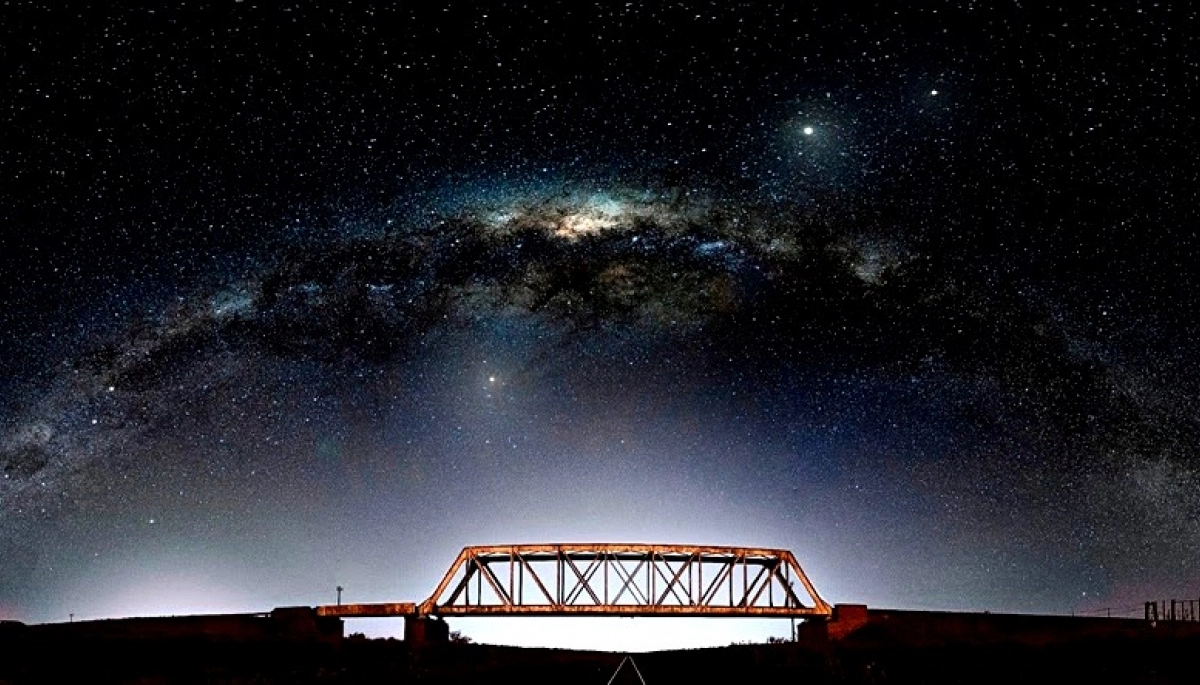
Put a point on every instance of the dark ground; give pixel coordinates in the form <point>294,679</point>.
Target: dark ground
<point>890,652</point>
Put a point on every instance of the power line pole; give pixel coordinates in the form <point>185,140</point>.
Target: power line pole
<point>792,588</point>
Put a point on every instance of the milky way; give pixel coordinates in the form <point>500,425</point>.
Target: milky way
<point>868,298</point>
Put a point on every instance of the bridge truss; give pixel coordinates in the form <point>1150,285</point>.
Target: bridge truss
<point>625,580</point>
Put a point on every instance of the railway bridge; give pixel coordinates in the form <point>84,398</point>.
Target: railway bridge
<point>609,579</point>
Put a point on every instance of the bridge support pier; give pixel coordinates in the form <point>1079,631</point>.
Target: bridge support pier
<point>423,630</point>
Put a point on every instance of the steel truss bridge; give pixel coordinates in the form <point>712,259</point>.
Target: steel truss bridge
<point>609,579</point>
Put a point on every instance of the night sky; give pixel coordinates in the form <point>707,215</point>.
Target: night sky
<point>310,295</point>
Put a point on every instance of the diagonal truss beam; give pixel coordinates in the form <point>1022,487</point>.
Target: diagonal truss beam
<point>607,579</point>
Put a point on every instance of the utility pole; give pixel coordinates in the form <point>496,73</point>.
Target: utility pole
<point>339,595</point>
<point>792,588</point>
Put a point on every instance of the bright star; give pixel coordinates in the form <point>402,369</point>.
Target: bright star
<point>808,130</point>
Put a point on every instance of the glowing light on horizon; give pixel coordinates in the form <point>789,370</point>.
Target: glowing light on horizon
<point>593,633</point>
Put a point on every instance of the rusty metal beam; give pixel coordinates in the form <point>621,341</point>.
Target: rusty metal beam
<point>629,610</point>
<point>595,579</point>
<point>368,610</point>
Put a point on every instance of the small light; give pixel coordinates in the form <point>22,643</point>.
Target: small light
<point>808,130</point>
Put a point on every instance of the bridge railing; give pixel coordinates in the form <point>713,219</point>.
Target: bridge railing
<point>625,580</point>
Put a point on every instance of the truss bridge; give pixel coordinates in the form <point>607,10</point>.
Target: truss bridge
<point>624,580</point>
<point>607,579</point>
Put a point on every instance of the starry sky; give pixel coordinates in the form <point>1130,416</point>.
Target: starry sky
<point>295,296</point>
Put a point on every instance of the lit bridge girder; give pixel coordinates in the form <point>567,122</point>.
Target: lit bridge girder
<point>608,579</point>
<point>380,610</point>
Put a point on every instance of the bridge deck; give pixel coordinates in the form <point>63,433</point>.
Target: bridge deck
<point>382,610</point>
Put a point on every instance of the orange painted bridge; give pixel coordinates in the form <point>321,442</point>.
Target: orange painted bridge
<point>607,579</point>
